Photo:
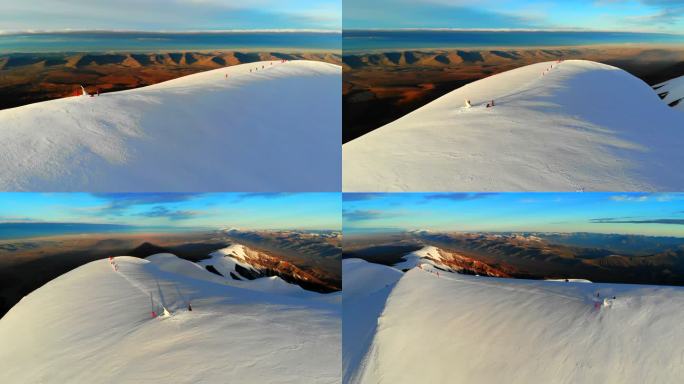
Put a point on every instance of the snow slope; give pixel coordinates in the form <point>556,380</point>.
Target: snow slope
<point>581,126</point>
<point>366,287</point>
<point>94,325</point>
<point>275,129</point>
<point>466,329</point>
<point>675,92</point>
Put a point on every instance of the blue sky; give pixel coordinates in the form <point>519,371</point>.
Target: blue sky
<point>240,210</point>
<point>169,15</point>
<point>613,15</point>
<point>636,213</point>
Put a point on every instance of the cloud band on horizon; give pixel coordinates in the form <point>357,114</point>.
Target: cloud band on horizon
<point>610,15</point>
<point>174,15</point>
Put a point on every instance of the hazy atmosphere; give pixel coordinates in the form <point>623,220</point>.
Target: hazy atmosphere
<point>161,15</point>
<point>634,213</point>
<point>607,15</point>
<point>171,210</point>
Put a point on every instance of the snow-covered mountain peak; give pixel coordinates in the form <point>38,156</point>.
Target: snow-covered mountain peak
<point>493,330</point>
<point>556,126</point>
<point>222,129</point>
<point>434,259</point>
<point>251,268</point>
<point>127,320</point>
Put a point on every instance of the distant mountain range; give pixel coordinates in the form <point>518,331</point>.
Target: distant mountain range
<point>238,262</point>
<point>597,257</point>
<point>561,125</point>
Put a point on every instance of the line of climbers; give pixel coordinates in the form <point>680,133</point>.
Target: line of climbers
<point>468,104</point>
<point>84,92</point>
<point>491,104</point>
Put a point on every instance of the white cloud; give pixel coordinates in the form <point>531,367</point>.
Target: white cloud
<point>630,198</point>
<point>167,14</point>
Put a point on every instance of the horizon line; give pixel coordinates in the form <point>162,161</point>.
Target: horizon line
<point>203,227</point>
<point>511,30</point>
<point>188,32</point>
<point>406,230</point>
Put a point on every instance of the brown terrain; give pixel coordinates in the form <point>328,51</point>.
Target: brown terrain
<point>381,87</point>
<point>266,264</point>
<point>318,253</point>
<point>449,260</point>
<point>629,259</point>
<point>456,262</point>
<point>30,78</point>
<point>544,256</point>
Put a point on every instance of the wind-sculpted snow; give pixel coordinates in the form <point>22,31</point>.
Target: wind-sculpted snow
<point>429,254</point>
<point>569,126</point>
<point>273,129</point>
<point>672,92</point>
<point>452,328</point>
<point>228,262</point>
<point>238,263</point>
<point>366,287</point>
<point>95,325</point>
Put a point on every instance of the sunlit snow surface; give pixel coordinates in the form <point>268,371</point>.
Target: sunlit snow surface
<point>452,328</point>
<point>276,129</point>
<point>94,325</point>
<point>569,126</point>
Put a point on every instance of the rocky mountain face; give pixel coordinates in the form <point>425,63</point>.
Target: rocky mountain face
<point>245,263</point>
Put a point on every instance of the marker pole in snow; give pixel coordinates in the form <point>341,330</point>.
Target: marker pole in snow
<point>180,295</point>
<point>153,312</point>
